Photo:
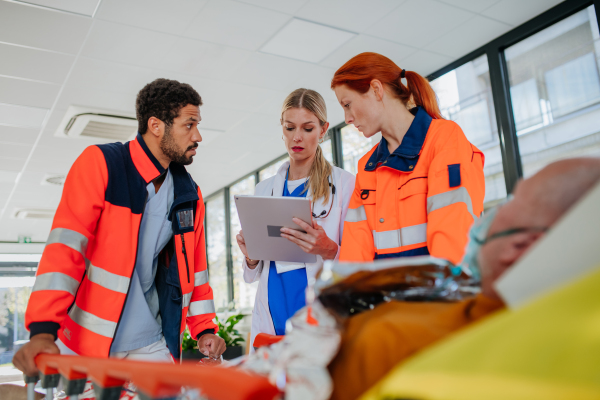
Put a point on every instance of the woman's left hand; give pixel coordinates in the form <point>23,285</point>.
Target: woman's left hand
<point>314,241</point>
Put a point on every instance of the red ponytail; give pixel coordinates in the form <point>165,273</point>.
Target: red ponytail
<point>360,70</point>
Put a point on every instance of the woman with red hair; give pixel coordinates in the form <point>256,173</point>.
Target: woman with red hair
<point>422,186</point>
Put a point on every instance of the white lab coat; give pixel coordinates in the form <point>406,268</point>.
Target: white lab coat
<point>333,226</point>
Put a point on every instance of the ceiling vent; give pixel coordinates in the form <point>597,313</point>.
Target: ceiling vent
<point>35,213</point>
<point>97,124</point>
<point>54,179</point>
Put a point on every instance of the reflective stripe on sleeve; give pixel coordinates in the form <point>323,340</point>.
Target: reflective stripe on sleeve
<point>69,238</point>
<point>56,281</point>
<point>200,278</point>
<point>459,195</point>
<point>201,307</point>
<point>108,280</point>
<point>186,299</point>
<point>92,323</point>
<point>400,237</point>
<point>356,214</point>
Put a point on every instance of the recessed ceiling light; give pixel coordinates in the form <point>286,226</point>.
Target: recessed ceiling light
<point>54,179</point>
<point>35,213</point>
<point>22,116</point>
<point>306,41</point>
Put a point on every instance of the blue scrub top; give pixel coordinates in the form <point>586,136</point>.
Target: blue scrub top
<point>287,290</point>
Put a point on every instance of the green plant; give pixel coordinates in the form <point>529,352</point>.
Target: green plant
<point>227,331</point>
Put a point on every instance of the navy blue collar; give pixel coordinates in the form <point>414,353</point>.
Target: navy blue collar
<point>150,156</point>
<point>406,156</point>
<point>184,188</point>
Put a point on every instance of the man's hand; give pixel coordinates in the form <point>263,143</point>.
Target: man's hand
<point>40,343</point>
<point>211,345</point>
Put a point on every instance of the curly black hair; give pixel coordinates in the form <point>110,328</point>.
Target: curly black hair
<point>163,98</point>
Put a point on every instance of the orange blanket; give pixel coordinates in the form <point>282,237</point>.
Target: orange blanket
<point>376,341</point>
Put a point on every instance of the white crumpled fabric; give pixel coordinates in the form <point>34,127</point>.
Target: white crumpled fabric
<point>298,363</point>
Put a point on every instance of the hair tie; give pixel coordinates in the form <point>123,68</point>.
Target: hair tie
<point>403,74</point>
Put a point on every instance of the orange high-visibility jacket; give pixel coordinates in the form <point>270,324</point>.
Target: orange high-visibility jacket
<point>419,200</point>
<point>84,274</point>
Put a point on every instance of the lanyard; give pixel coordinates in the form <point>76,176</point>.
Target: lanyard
<point>298,192</point>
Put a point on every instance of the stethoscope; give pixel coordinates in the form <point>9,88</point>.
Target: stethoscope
<point>324,214</point>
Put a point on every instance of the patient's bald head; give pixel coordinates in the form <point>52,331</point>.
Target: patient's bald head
<point>538,202</point>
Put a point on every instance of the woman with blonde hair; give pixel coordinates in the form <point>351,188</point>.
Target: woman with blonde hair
<point>281,288</point>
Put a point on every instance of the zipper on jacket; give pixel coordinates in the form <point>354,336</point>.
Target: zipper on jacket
<point>137,248</point>
<point>187,266</point>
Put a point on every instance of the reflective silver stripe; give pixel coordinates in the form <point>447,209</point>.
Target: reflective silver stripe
<point>356,214</point>
<point>460,195</point>
<point>107,279</point>
<point>186,299</point>
<point>200,278</point>
<point>70,238</point>
<point>56,281</point>
<point>400,237</point>
<point>93,323</point>
<point>201,307</point>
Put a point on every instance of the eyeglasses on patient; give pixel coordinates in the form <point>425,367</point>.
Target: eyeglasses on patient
<point>512,231</point>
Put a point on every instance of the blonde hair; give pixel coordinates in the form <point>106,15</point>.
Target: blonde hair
<point>320,171</point>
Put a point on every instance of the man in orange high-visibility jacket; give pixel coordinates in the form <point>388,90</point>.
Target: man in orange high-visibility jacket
<point>124,268</point>
<point>419,200</point>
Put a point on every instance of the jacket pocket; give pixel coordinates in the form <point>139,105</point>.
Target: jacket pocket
<point>412,203</point>
<point>413,187</point>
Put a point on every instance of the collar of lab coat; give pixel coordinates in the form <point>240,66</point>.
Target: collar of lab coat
<point>280,181</point>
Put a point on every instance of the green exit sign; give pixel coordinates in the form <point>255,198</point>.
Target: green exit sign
<point>24,239</point>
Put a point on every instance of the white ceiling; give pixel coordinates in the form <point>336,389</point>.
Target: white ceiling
<point>100,53</point>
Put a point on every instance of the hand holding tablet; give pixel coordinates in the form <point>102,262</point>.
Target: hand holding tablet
<point>313,239</point>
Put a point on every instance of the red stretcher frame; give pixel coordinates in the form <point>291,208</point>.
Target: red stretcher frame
<point>264,339</point>
<point>160,380</point>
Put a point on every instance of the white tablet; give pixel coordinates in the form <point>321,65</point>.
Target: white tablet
<point>263,217</point>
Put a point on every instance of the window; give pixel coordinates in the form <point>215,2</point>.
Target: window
<point>243,293</point>
<point>354,146</point>
<point>327,147</point>
<point>555,91</point>
<point>217,254</point>
<point>465,97</point>
<point>272,169</point>
<point>13,302</point>
<point>554,88</point>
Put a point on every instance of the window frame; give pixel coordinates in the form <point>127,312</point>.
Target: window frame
<point>498,70</point>
<point>220,192</point>
<point>225,191</point>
